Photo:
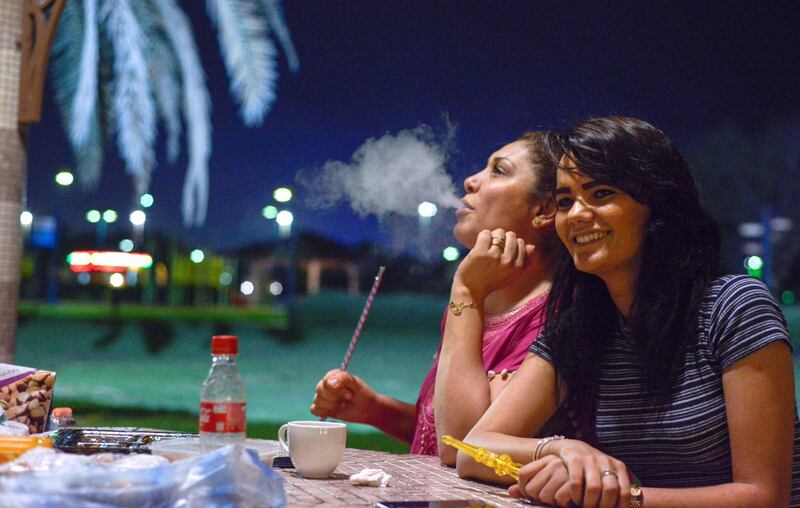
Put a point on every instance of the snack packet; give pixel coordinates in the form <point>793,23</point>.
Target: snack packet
<point>25,395</point>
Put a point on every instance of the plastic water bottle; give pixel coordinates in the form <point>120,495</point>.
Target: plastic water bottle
<point>223,419</point>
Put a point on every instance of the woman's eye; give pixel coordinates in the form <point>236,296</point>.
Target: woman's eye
<point>498,170</point>
<point>564,203</point>
<point>602,193</point>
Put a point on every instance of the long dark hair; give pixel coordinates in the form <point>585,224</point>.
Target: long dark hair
<point>680,257</point>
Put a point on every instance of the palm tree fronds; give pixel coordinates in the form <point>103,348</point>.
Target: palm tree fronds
<point>163,69</point>
<point>89,157</point>
<point>65,71</point>
<point>167,92</point>
<point>249,56</point>
<point>85,98</point>
<point>196,106</point>
<point>133,104</point>
<point>277,23</point>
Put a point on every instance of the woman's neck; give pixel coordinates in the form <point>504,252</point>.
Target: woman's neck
<point>622,289</point>
<point>536,280</point>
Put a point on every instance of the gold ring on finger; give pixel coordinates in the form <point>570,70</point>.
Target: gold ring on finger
<point>500,242</point>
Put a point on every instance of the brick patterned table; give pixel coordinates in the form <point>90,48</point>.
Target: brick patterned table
<point>414,478</point>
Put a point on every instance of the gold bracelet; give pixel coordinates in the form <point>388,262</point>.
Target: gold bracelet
<point>458,307</point>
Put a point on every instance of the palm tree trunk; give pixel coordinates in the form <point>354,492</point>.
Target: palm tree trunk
<point>12,173</point>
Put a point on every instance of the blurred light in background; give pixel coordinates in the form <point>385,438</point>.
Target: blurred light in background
<point>451,253</point>
<point>427,209</point>
<point>84,278</point>
<point>225,279</point>
<point>787,297</point>
<point>284,218</point>
<point>110,216</point>
<point>751,229</point>
<point>26,218</point>
<point>197,256</point>
<point>276,288</point>
<point>146,200</point>
<point>269,212</point>
<point>64,178</point>
<point>117,280</point>
<point>754,263</point>
<point>246,288</point>
<point>282,194</point>
<point>126,245</point>
<point>138,217</point>
<point>93,216</point>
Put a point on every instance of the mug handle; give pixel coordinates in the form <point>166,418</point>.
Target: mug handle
<point>282,437</point>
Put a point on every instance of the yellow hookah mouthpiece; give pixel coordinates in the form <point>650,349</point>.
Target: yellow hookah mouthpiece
<point>501,464</point>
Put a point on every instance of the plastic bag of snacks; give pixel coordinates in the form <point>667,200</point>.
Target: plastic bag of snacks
<point>25,395</point>
<point>229,476</point>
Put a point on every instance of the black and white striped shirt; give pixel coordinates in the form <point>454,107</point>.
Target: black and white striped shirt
<point>685,442</point>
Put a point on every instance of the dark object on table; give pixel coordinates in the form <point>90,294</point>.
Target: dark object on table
<point>87,441</point>
<point>282,462</point>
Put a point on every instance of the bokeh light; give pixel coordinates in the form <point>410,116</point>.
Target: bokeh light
<point>26,218</point>
<point>93,216</point>
<point>450,253</point>
<point>126,245</point>
<point>197,256</point>
<point>427,209</point>
<point>117,280</point>
<point>269,212</point>
<point>246,288</point>
<point>282,194</point>
<point>64,178</point>
<point>138,217</point>
<point>146,200</point>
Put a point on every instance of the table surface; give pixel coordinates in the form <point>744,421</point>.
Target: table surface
<point>414,478</point>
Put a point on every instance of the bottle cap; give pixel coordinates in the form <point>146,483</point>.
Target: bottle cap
<point>62,411</point>
<point>224,345</point>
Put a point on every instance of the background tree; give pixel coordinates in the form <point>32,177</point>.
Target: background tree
<point>118,67</point>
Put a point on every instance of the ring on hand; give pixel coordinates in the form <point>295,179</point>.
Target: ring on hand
<point>608,472</point>
<point>499,241</point>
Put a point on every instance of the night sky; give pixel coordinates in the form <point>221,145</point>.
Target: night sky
<point>496,68</point>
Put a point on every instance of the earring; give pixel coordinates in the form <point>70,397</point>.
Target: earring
<point>537,221</point>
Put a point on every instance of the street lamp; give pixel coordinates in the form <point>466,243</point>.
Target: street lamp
<point>282,194</point>
<point>426,211</point>
<point>138,218</point>
<point>64,178</point>
<point>26,218</point>
<point>197,256</point>
<point>284,218</point>
<point>146,200</point>
<point>269,212</point>
<point>110,216</point>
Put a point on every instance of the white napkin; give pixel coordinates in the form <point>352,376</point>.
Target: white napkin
<point>371,477</point>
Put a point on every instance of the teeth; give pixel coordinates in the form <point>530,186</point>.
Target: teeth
<point>590,237</point>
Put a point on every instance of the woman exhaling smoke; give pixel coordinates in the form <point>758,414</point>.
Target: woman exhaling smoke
<point>496,310</point>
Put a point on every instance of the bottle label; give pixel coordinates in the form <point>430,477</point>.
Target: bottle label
<point>223,417</point>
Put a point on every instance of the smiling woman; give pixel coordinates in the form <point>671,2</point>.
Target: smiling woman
<point>668,368</point>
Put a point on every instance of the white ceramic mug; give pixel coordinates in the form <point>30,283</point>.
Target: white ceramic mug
<point>315,447</point>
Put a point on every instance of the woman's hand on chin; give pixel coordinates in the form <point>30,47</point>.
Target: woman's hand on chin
<point>497,258</point>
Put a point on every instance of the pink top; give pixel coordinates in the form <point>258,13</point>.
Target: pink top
<point>506,338</point>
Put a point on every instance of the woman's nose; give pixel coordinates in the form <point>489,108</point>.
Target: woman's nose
<point>471,183</point>
<point>579,212</point>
